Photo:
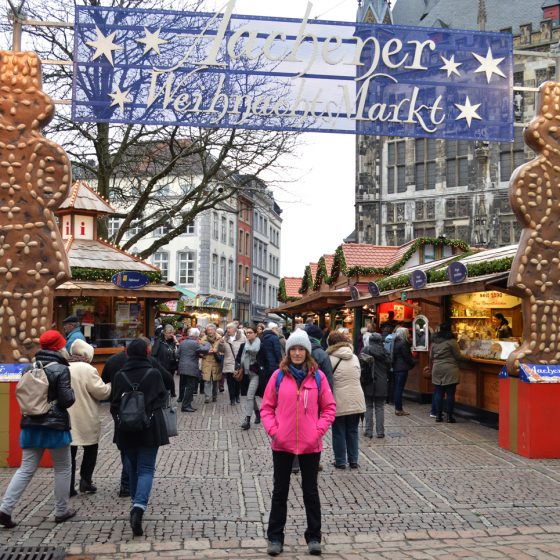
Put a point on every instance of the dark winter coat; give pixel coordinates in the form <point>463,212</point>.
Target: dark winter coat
<point>155,397</point>
<point>60,390</point>
<point>376,384</point>
<point>116,362</point>
<point>189,353</point>
<point>165,352</point>
<point>402,356</point>
<point>322,359</point>
<point>270,354</point>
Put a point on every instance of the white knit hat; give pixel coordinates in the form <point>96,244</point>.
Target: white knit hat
<point>298,338</point>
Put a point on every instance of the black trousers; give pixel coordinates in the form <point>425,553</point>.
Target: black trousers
<point>190,385</point>
<point>87,467</point>
<point>234,387</point>
<point>309,467</point>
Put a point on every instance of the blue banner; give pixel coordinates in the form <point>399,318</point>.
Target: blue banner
<point>158,67</point>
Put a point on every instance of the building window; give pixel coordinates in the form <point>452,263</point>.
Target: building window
<point>222,273</point>
<point>214,271</point>
<point>240,241</point>
<point>224,230</point>
<point>162,230</point>
<point>457,164</point>
<point>247,244</point>
<point>186,264</point>
<point>396,166</point>
<point>190,229</point>
<point>390,213</point>
<point>215,225</point>
<point>114,225</point>
<point>425,166</point>
<point>400,212</point>
<point>230,233</point>
<point>240,283</point>
<point>430,209</point>
<point>450,208</point>
<point>511,156</point>
<point>230,276</point>
<point>246,280</point>
<point>161,260</point>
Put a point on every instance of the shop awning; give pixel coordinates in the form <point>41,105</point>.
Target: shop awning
<point>316,301</point>
<point>83,288</point>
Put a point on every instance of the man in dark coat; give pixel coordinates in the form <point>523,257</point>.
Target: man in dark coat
<point>315,335</point>
<point>164,349</point>
<point>270,354</point>
<point>190,350</point>
<point>140,447</point>
<point>374,383</point>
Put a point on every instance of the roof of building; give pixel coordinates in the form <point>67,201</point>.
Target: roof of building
<point>314,267</point>
<point>463,14</point>
<point>293,284</point>
<point>82,196</point>
<point>550,3</point>
<point>87,253</point>
<point>360,254</point>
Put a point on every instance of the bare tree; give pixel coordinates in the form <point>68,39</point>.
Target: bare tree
<point>134,165</point>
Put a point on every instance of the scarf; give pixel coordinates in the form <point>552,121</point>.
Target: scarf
<point>299,374</point>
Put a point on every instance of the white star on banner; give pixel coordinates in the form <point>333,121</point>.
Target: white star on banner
<point>104,45</point>
<point>489,65</point>
<point>151,41</point>
<point>468,111</point>
<point>450,66</point>
<point>120,98</point>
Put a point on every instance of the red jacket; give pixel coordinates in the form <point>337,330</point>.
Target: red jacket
<point>297,419</point>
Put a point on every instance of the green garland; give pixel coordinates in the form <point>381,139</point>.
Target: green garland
<point>79,273</point>
<point>322,274</point>
<point>440,275</point>
<point>339,264</point>
<point>282,294</point>
<point>306,281</point>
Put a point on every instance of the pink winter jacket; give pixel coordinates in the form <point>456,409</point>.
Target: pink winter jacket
<point>297,419</point>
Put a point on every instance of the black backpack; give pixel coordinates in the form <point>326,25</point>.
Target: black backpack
<point>132,416</point>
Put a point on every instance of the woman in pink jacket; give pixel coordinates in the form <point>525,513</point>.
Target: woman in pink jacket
<point>297,409</point>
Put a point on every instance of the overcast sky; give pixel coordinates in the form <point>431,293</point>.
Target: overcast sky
<point>318,211</point>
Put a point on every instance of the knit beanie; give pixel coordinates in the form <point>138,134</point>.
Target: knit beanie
<point>52,340</point>
<point>137,349</point>
<point>375,337</point>
<point>298,338</point>
<point>313,331</point>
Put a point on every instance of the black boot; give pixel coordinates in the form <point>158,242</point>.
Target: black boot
<point>87,487</point>
<point>450,419</point>
<point>257,417</point>
<point>439,418</point>
<point>6,520</point>
<point>246,423</point>
<point>136,514</point>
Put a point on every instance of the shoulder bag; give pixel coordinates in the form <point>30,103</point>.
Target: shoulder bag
<point>170,416</point>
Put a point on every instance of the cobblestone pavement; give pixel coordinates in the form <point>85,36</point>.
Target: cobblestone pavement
<point>425,491</point>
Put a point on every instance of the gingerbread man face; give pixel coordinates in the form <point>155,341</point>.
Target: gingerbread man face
<point>34,181</point>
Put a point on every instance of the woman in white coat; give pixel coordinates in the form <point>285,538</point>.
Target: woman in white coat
<point>84,413</point>
<point>349,397</point>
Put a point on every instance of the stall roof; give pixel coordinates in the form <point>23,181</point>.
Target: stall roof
<point>313,301</point>
<point>83,197</point>
<point>107,289</point>
<point>293,284</point>
<point>90,253</point>
<point>476,283</point>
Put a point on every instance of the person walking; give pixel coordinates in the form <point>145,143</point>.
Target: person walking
<point>190,350</point>
<point>319,355</point>
<point>251,368</point>
<point>71,327</point>
<point>445,356</point>
<point>46,431</point>
<point>164,350</point>
<point>229,346</point>
<point>140,448</point>
<point>402,363</point>
<point>211,363</point>
<point>374,384</point>
<point>89,389</point>
<point>297,409</point>
<point>349,398</point>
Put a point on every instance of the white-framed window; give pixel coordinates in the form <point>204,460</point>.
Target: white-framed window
<point>230,273</point>
<point>161,260</point>
<point>215,225</point>
<point>113,225</point>
<point>222,273</point>
<point>230,233</point>
<point>224,230</point>
<point>214,270</point>
<point>186,268</point>
<point>191,228</point>
<point>162,230</point>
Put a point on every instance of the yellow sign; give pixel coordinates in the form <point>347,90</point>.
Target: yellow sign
<point>487,300</point>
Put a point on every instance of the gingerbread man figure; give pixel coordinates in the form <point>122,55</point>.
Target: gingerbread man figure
<point>35,175</point>
<point>534,193</point>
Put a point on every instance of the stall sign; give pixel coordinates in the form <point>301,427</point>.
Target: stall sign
<point>11,372</point>
<point>181,68</point>
<point>373,289</point>
<point>457,272</point>
<point>539,373</point>
<point>418,279</point>
<point>354,293</point>
<point>131,280</point>
<point>487,300</point>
